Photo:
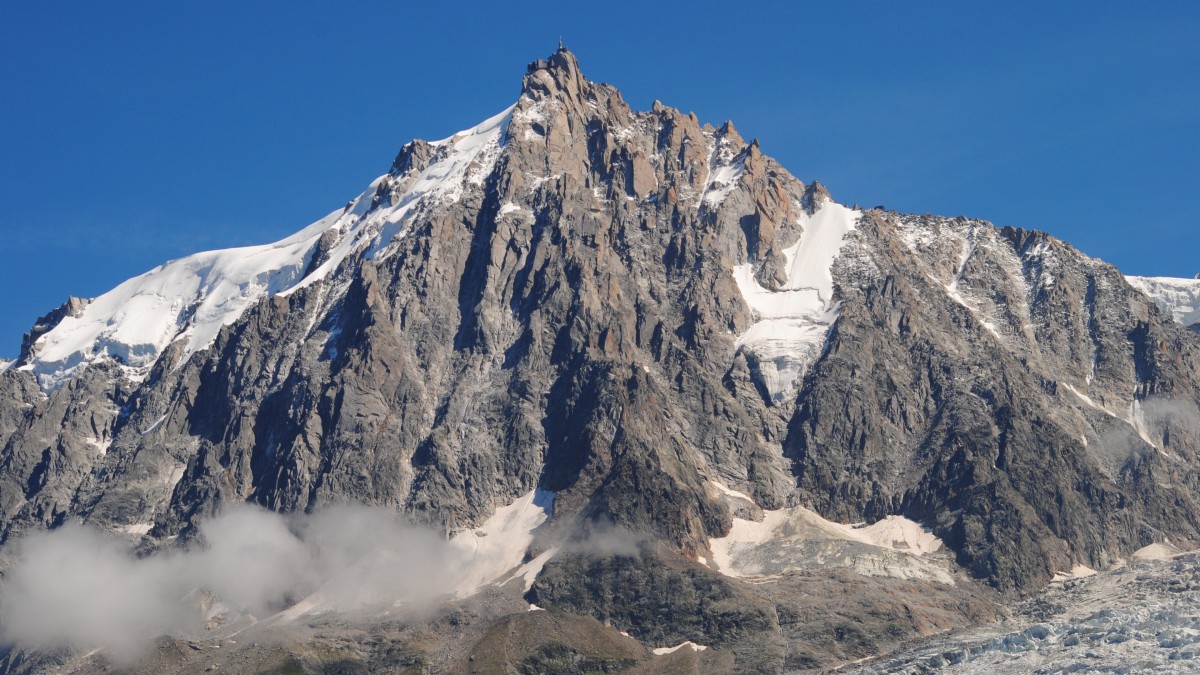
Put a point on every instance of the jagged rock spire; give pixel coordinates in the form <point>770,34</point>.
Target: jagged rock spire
<point>558,73</point>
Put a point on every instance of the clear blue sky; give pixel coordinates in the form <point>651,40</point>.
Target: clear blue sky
<point>133,132</point>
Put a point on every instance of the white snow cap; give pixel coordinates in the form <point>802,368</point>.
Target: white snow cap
<point>192,298</point>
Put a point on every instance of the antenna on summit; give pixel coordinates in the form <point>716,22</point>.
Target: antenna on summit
<point>560,44</point>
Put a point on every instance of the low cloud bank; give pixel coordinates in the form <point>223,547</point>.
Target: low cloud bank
<point>80,588</point>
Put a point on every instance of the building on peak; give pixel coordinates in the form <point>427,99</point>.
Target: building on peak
<point>561,58</point>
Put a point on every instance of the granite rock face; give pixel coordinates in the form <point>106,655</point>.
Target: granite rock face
<point>624,307</point>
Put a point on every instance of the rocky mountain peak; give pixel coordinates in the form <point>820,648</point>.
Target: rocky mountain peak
<point>656,322</point>
<point>413,156</point>
<point>816,195</point>
<point>71,308</point>
<point>727,130</point>
<point>558,74</point>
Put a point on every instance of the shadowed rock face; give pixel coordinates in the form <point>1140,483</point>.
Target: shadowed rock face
<point>566,316</point>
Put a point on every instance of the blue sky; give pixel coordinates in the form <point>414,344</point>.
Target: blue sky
<point>134,132</point>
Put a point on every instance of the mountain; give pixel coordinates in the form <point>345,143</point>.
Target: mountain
<point>732,410</point>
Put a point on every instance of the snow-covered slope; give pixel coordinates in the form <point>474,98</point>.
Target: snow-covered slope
<point>1178,297</point>
<point>499,544</point>
<point>791,322</point>
<point>797,538</point>
<point>192,298</point>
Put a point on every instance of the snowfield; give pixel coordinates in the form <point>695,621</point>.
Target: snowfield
<point>791,323</point>
<point>796,538</point>
<point>1178,297</point>
<point>190,299</point>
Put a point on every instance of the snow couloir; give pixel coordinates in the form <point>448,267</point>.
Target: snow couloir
<point>791,323</point>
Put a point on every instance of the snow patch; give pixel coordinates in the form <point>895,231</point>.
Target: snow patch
<point>1087,399</point>
<point>897,533</point>
<point>530,570</point>
<point>537,181</point>
<point>499,544</point>
<point>1077,572</point>
<point>1156,551</point>
<point>154,425</point>
<point>797,538</point>
<point>934,241</point>
<point>462,159</point>
<point>662,651</point>
<point>725,167</point>
<point>1135,416</point>
<point>722,182</point>
<point>791,323</point>
<point>533,114</point>
<point>730,492</point>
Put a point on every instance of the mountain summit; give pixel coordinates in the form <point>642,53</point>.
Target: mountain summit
<point>651,322</point>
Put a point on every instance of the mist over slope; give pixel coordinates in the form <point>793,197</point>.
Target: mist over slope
<point>78,588</point>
